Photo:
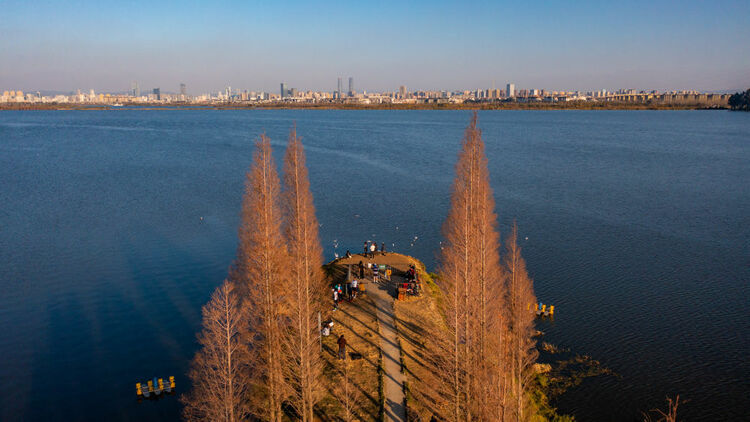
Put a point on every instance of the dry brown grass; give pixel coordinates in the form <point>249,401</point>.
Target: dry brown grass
<point>418,319</point>
<point>357,321</point>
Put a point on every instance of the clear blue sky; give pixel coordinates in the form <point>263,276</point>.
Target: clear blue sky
<point>104,45</point>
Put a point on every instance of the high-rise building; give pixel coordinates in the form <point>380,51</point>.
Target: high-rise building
<point>134,89</point>
<point>351,86</point>
<point>338,91</point>
<point>283,89</point>
<point>510,90</point>
<point>183,90</point>
<point>157,94</point>
<point>402,91</point>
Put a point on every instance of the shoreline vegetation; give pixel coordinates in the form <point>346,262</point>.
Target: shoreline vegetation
<point>469,106</point>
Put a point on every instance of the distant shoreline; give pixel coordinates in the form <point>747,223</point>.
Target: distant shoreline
<point>285,106</point>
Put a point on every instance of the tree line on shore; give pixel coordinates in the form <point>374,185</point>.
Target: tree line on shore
<point>740,101</point>
<point>259,357</point>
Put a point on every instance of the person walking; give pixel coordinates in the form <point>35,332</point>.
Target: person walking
<point>375,273</point>
<point>342,347</point>
<point>335,299</point>
<point>355,285</point>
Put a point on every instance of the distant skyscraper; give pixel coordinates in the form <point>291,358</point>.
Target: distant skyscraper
<point>283,89</point>
<point>134,89</point>
<point>402,91</point>
<point>510,90</point>
<point>157,93</point>
<point>351,86</point>
<point>183,90</point>
<point>338,91</point>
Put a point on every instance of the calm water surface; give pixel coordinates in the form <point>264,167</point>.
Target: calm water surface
<point>638,227</point>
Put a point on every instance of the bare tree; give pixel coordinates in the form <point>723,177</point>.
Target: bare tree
<point>262,267</point>
<point>471,280</point>
<point>346,392</point>
<point>669,416</point>
<point>303,363</point>
<point>218,371</point>
<point>520,305</point>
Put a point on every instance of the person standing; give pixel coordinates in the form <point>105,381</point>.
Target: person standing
<point>361,269</point>
<point>375,273</point>
<point>367,248</point>
<point>335,299</point>
<point>382,248</point>
<point>355,286</point>
<point>342,347</point>
<point>373,249</point>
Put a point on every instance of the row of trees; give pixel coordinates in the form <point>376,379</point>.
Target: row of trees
<point>483,363</point>
<point>740,101</point>
<point>259,342</point>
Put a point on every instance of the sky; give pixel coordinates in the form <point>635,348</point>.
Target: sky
<point>425,45</point>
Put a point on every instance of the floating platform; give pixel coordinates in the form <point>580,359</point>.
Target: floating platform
<point>154,388</point>
<point>542,311</point>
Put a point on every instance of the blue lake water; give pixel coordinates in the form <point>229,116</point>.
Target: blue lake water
<point>638,226</point>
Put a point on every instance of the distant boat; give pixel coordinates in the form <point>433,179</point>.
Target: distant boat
<point>117,105</point>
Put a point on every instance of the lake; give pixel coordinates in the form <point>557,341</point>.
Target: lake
<point>634,224</point>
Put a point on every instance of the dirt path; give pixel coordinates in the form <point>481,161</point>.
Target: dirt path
<point>382,295</point>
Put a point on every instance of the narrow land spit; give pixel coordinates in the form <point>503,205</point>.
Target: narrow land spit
<point>383,294</point>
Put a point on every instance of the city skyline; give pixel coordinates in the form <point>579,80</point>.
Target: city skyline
<point>427,46</point>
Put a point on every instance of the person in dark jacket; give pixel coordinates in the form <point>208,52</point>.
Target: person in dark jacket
<point>382,248</point>
<point>342,347</point>
<point>361,270</point>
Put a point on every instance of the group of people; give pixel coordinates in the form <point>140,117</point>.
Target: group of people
<point>371,247</point>
<point>339,293</point>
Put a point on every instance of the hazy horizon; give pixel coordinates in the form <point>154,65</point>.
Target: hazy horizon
<point>105,46</point>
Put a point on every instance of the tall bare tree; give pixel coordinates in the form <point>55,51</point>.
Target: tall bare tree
<point>346,392</point>
<point>262,267</point>
<point>471,280</point>
<point>520,304</point>
<point>307,284</point>
<point>219,370</point>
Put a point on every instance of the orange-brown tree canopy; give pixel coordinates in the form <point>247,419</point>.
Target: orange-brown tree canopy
<point>262,268</point>
<point>303,364</point>
<point>471,279</point>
